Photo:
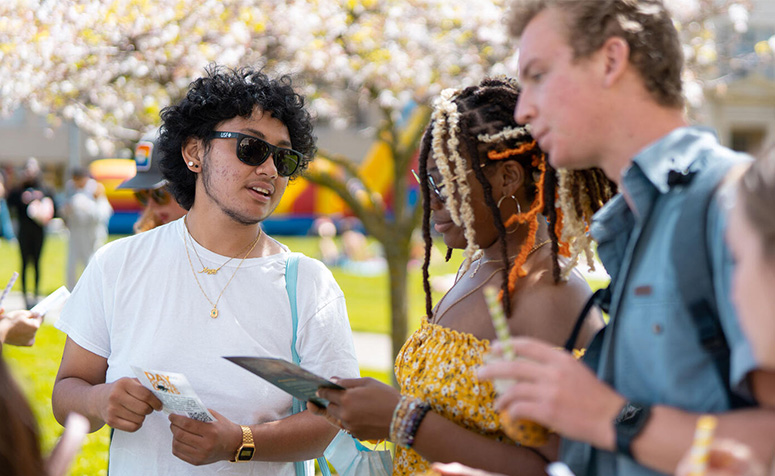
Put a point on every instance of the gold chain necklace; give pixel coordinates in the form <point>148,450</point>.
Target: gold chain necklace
<point>478,286</point>
<point>439,316</point>
<point>483,261</point>
<point>205,269</point>
<point>214,311</point>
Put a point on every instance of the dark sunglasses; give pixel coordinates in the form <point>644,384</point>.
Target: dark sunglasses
<point>159,195</point>
<point>432,184</point>
<point>254,152</point>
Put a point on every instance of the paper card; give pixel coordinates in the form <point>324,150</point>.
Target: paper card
<point>51,301</point>
<point>175,393</point>
<point>287,376</point>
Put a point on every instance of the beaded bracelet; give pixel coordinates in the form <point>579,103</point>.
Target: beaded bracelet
<point>407,417</point>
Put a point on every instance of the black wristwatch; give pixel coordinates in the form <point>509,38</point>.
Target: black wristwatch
<point>628,424</point>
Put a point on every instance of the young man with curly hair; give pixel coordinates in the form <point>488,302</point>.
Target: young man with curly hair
<point>602,88</point>
<point>183,295</point>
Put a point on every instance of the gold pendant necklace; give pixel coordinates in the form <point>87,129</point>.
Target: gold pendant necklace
<point>205,269</point>
<point>214,310</point>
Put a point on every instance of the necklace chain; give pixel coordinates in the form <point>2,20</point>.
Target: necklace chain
<point>477,287</point>
<point>438,306</point>
<point>214,310</point>
<point>482,261</point>
<point>211,271</point>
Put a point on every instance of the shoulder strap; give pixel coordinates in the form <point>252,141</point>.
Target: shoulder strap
<point>291,273</point>
<point>291,276</point>
<point>693,263</point>
<point>600,298</point>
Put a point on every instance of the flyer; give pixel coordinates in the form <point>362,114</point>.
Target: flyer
<point>175,393</point>
<point>287,376</point>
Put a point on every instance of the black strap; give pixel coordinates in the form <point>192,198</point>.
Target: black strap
<point>694,269</point>
<point>600,298</point>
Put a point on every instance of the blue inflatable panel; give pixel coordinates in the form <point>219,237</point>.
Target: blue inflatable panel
<point>121,223</point>
<point>283,225</point>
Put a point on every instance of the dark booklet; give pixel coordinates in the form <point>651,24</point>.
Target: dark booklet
<point>287,376</point>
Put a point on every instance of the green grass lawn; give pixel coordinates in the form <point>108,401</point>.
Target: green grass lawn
<point>35,368</point>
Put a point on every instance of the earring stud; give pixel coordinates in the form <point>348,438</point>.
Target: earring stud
<point>190,163</point>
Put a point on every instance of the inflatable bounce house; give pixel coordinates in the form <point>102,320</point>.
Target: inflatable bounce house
<point>302,203</point>
<point>126,209</point>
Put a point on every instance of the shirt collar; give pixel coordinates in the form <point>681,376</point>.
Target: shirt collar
<point>669,153</point>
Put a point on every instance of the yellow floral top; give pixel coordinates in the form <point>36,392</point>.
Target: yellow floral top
<point>438,365</point>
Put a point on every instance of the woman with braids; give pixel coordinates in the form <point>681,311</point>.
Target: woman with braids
<point>489,190</point>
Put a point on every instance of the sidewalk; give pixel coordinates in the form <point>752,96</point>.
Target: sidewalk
<point>373,350</point>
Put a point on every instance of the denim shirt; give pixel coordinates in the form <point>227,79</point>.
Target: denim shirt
<point>651,353</point>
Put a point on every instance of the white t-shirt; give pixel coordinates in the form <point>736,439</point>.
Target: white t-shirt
<point>137,303</point>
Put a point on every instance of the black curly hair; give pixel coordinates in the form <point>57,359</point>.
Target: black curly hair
<point>220,95</point>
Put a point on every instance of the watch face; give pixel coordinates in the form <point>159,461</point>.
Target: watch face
<point>629,412</point>
<point>245,453</point>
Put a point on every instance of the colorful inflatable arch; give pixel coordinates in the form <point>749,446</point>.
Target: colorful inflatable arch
<point>126,209</point>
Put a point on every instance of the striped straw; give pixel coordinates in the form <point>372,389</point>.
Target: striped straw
<point>499,321</point>
<point>8,287</point>
<point>699,453</point>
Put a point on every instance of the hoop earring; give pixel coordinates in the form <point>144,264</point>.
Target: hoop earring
<point>519,208</point>
<point>519,211</point>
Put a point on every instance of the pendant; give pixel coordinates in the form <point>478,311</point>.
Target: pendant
<point>214,313</point>
<point>207,270</point>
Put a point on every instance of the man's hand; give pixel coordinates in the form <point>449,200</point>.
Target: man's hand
<point>125,403</point>
<point>19,327</point>
<point>726,458</point>
<point>457,469</point>
<point>552,388</point>
<point>199,443</point>
<point>364,409</point>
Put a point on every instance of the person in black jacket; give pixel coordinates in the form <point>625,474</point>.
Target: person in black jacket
<point>34,207</point>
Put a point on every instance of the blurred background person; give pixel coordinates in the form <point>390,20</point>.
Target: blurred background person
<point>325,228</point>
<point>6,226</point>
<point>86,212</point>
<point>150,187</point>
<point>33,204</point>
<point>751,237</point>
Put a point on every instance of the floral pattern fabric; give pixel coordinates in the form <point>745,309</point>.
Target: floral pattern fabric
<point>438,365</point>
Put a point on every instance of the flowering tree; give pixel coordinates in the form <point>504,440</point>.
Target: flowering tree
<point>111,65</point>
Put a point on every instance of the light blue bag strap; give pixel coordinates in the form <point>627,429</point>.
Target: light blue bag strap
<point>291,274</point>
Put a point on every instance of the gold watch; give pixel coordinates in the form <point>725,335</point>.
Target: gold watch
<point>245,451</point>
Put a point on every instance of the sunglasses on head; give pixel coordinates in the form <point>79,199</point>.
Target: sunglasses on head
<point>159,195</point>
<point>254,151</point>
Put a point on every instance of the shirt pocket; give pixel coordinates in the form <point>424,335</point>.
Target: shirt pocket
<point>658,358</point>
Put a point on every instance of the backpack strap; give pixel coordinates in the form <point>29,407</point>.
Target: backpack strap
<point>291,275</point>
<point>693,263</point>
<point>600,298</point>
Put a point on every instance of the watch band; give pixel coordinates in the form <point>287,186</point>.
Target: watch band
<point>247,448</point>
<point>628,424</point>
